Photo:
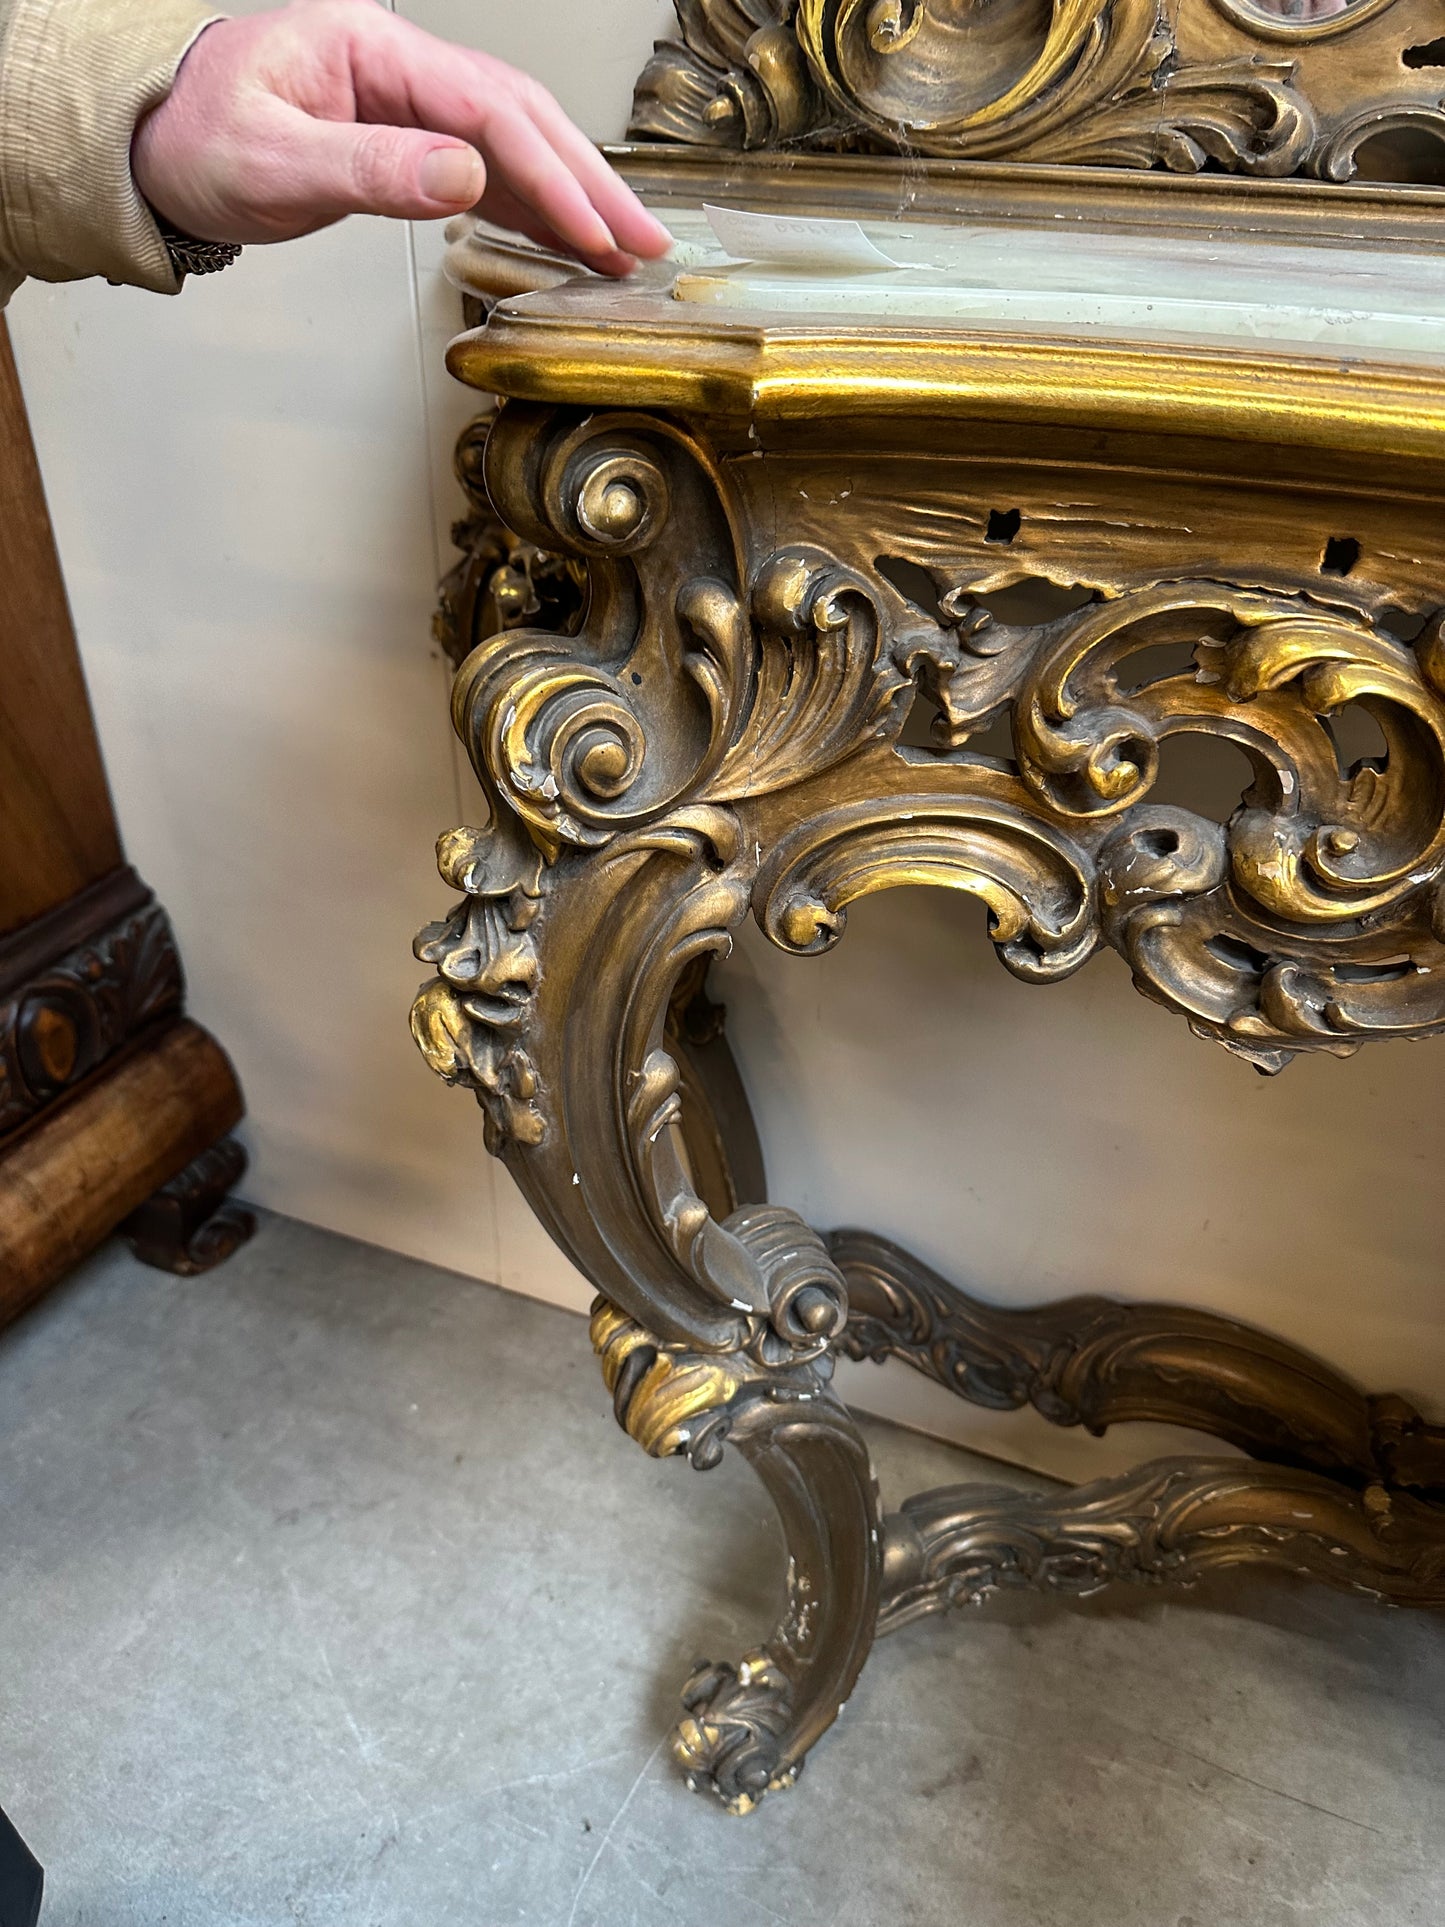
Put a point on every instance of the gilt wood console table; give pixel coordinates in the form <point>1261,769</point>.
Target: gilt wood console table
<point>729,525</point>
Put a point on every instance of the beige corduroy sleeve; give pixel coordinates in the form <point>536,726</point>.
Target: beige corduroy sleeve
<point>75,78</point>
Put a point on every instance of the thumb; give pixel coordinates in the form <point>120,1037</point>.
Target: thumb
<point>339,167</point>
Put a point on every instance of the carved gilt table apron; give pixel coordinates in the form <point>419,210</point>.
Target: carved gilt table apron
<point>692,667</point>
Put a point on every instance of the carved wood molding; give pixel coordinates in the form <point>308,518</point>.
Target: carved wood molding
<point>729,721</point>
<point>1168,1522</point>
<point>75,987</point>
<point>1262,87</point>
<point>1097,1362</point>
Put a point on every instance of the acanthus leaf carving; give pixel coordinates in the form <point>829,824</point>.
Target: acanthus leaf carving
<point>591,735</point>
<point>1094,82</point>
<point>824,684</point>
<point>1312,920</point>
<point>470,1020</point>
<point>1036,883</point>
<point>736,77</point>
<point>1243,116</point>
<point>1170,1521</point>
<point>745,1727</point>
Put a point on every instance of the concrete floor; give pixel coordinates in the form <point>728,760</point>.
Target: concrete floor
<point>331,1594</point>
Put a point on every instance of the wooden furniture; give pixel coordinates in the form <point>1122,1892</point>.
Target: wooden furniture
<point>733,528</point>
<point>114,1106</point>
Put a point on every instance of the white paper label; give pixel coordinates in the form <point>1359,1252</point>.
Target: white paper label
<point>796,241</point>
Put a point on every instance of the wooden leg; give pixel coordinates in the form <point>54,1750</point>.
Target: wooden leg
<point>723,1147</point>
<point>747,1727</point>
<point>556,1002</point>
<point>191,1225</point>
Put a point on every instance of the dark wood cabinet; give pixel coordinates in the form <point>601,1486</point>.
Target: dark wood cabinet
<point>115,1107</point>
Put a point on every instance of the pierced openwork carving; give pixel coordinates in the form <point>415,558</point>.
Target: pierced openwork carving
<point>500,581</point>
<point>1313,919</point>
<point>720,728</point>
<point>715,571</point>
<point>1253,88</point>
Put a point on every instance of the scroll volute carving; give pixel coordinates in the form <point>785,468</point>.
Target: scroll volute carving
<point>588,735</point>
<point>501,581</point>
<point>1253,86</point>
<point>693,683</point>
<point>1314,917</point>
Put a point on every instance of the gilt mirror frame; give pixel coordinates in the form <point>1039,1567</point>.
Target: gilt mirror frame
<point>1202,85</point>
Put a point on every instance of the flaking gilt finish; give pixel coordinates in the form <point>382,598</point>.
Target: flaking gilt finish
<point>1233,84</point>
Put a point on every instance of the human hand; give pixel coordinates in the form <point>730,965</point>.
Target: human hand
<point>281,123</point>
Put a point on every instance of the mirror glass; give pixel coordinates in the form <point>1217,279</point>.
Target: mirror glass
<point>1302,13</point>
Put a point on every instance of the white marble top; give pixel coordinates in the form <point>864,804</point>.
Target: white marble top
<point>1322,298</point>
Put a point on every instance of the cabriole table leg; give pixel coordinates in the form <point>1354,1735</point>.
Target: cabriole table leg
<point>714,727</point>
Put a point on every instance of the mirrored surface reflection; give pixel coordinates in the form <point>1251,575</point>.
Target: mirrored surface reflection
<point>1305,12</point>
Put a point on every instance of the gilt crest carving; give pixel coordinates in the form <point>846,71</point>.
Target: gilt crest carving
<point>1263,87</point>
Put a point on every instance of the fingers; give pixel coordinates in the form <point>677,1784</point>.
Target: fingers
<point>280,122</point>
<point>324,169</point>
<point>529,167</point>
<point>633,228</point>
<point>404,75</point>
<point>502,207</point>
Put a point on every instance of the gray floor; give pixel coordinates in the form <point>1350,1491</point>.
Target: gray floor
<point>331,1594</point>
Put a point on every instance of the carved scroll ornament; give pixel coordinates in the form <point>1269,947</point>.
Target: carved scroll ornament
<point>1313,919</point>
<point>723,727</point>
<point>746,1728</point>
<point>1245,85</point>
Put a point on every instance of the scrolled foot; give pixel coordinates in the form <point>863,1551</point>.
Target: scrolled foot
<point>190,1225</point>
<point>746,1728</point>
<point>732,1738</point>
